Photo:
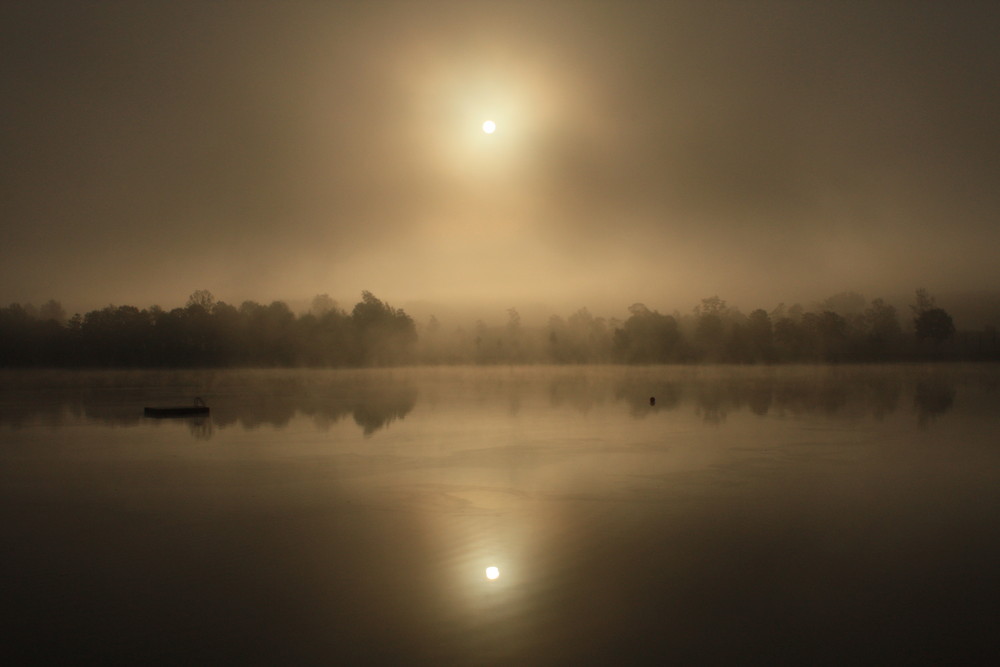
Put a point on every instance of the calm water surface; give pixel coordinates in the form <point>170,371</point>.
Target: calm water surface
<point>752,515</point>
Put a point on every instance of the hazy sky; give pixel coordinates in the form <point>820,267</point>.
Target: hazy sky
<point>657,152</point>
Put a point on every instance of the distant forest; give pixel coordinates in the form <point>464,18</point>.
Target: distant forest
<point>211,333</point>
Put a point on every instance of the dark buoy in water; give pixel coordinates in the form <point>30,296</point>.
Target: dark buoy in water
<point>652,400</point>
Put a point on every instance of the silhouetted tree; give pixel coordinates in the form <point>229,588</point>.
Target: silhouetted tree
<point>52,310</point>
<point>26,340</point>
<point>760,336</point>
<point>833,334</point>
<point>826,335</point>
<point>647,337</point>
<point>201,298</point>
<point>710,325</point>
<point>791,341</point>
<point>321,305</point>
<point>513,339</point>
<point>580,339</point>
<point>327,340</point>
<point>923,302</point>
<point>929,321</point>
<point>266,334</point>
<point>117,336</point>
<point>882,329</point>
<point>386,335</point>
<point>713,321</point>
<point>934,324</point>
<point>844,304</point>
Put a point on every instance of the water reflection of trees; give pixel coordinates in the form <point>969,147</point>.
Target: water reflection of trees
<point>201,428</point>
<point>713,402</point>
<point>933,396</point>
<point>866,392</point>
<point>375,399</point>
<point>851,392</point>
<point>381,408</point>
<point>372,402</point>
<point>247,399</point>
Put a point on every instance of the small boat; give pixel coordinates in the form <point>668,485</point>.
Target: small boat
<point>198,408</point>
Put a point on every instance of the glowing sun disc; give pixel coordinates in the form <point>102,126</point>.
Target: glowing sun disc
<point>489,127</point>
<point>492,572</point>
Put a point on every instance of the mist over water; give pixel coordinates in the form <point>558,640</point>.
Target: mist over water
<point>792,514</point>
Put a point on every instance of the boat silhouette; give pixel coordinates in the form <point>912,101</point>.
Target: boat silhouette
<point>197,408</point>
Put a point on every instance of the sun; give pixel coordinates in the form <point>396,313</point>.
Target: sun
<point>492,572</point>
<point>489,127</point>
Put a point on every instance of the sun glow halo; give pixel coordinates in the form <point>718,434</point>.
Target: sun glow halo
<point>489,127</point>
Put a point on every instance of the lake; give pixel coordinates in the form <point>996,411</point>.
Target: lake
<point>803,515</point>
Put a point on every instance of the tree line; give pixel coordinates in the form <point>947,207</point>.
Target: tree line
<point>843,328</point>
<point>207,333</point>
